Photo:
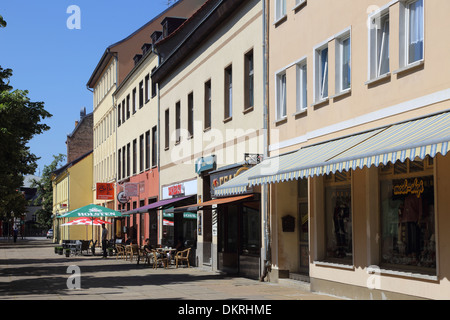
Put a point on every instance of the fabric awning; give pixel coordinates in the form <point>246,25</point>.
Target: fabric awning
<point>416,138</point>
<point>196,207</point>
<point>158,205</point>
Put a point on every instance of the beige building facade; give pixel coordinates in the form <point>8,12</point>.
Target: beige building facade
<point>114,66</point>
<point>371,226</point>
<point>211,117</point>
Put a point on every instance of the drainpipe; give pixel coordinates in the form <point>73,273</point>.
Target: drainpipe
<point>265,188</point>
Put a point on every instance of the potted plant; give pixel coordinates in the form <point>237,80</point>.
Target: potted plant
<point>110,251</point>
<point>60,250</point>
<point>67,252</point>
<point>56,250</point>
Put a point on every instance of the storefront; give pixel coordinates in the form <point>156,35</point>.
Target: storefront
<point>377,203</point>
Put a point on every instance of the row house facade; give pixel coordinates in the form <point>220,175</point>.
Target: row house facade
<point>211,124</point>
<point>358,169</point>
<point>113,68</point>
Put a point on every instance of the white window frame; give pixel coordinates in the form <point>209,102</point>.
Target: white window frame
<point>379,44</point>
<point>339,56</point>
<point>281,95</point>
<point>405,24</point>
<point>320,82</point>
<point>280,9</point>
<point>302,85</point>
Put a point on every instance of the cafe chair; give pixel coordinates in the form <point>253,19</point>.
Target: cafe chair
<point>161,258</point>
<point>120,249</point>
<point>183,256</point>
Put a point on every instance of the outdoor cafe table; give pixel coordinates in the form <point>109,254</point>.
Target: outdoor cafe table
<point>167,252</point>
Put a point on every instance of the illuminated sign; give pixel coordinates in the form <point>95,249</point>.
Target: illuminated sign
<point>415,187</point>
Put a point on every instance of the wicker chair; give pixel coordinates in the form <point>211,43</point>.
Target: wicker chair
<point>120,249</point>
<point>183,256</point>
<point>157,259</point>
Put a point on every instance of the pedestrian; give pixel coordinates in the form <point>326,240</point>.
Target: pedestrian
<point>104,241</point>
<point>15,232</point>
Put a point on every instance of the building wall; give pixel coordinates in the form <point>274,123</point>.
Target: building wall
<point>80,141</point>
<point>403,94</point>
<point>227,139</point>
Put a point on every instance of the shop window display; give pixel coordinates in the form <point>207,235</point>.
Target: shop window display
<point>407,215</point>
<point>339,239</point>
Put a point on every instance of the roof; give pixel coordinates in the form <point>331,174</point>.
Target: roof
<point>57,172</point>
<point>187,38</point>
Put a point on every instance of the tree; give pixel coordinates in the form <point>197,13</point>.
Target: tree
<point>2,22</point>
<point>45,192</point>
<point>19,122</point>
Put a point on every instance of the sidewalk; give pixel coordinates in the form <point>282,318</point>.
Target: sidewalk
<point>29,269</point>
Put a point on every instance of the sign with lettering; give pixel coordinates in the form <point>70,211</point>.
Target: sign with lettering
<point>219,178</point>
<point>105,191</point>
<point>131,189</point>
<point>205,163</point>
<point>415,187</point>
<point>176,190</point>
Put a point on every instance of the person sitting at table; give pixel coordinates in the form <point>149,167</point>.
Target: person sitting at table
<point>148,247</point>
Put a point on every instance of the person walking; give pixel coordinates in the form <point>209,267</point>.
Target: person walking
<point>15,233</point>
<point>104,241</point>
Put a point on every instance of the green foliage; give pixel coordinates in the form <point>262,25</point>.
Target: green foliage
<point>45,191</point>
<point>19,122</point>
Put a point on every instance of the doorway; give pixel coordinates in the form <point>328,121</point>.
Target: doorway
<point>303,227</point>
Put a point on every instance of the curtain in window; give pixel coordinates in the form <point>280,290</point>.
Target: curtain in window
<point>282,96</point>
<point>416,31</point>
<point>383,48</point>
<point>346,68</point>
<point>324,73</point>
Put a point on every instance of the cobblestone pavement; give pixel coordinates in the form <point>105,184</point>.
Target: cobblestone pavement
<point>29,269</point>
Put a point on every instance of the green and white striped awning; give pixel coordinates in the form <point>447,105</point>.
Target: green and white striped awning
<point>409,140</point>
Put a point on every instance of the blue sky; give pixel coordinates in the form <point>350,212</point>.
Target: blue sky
<point>54,63</point>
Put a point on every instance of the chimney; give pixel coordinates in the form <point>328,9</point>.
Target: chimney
<point>76,123</point>
<point>137,58</point>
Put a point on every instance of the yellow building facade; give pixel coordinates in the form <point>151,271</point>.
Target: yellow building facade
<point>72,189</point>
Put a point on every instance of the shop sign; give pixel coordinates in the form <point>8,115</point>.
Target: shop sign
<point>131,189</point>
<point>122,198</point>
<point>219,178</point>
<point>205,163</point>
<point>190,215</point>
<point>415,188</point>
<point>176,190</point>
<point>105,191</point>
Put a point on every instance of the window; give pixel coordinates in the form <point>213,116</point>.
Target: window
<point>128,160</point>
<point>379,45</point>
<point>321,74</point>
<point>154,146</point>
<point>228,93</point>
<point>338,218</point>
<point>141,94</point>
<point>134,156</point>
<point>191,114</point>
<point>411,32</point>
<point>147,88</point>
<point>302,101</point>
<point>177,122</point>
<point>407,218</point>
<point>141,152</point>
<point>119,164</point>
<point>280,9</point>
<point>207,122</point>
<point>147,149</point>
<point>123,163</point>
<point>153,85</point>
<point>343,63</point>
<point>123,111</point>
<point>134,100</point>
<point>281,96</point>
<point>167,134</point>
<point>249,80</point>
<point>118,115</point>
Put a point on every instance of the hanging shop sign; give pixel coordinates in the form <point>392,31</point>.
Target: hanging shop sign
<point>205,164</point>
<point>176,190</point>
<point>105,191</point>
<point>131,189</point>
<point>122,197</point>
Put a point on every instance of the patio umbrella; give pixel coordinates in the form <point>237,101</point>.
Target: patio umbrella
<point>86,222</point>
<point>92,211</point>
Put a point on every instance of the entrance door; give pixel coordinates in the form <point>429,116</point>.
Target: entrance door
<point>303,225</point>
